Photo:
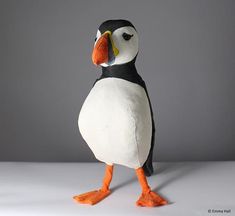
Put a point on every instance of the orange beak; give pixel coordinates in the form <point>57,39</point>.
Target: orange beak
<point>104,50</point>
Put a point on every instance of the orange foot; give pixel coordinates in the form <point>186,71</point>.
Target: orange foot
<point>150,199</point>
<point>92,197</point>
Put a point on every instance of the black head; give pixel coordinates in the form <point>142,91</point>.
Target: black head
<point>116,43</point>
<point>112,25</point>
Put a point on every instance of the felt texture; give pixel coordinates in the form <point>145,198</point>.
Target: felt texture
<point>100,52</point>
<point>128,72</point>
<point>104,51</point>
<point>112,25</point>
<point>96,196</point>
<point>122,65</point>
<point>115,121</point>
<point>127,49</point>
<point>148,198</point>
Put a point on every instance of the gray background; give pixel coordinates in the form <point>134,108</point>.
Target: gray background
<point>186,57</point>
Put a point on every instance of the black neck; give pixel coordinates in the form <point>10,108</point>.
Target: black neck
<point>125,71</point>
<point>119,70</point>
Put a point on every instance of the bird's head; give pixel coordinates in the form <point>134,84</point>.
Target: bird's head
<point>116,43</point>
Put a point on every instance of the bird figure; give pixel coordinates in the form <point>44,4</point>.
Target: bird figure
<point>116,119</point>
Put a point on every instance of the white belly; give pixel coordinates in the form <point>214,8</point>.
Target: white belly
<point>115,121</point>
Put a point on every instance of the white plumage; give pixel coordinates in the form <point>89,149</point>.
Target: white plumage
<point>115,121</point>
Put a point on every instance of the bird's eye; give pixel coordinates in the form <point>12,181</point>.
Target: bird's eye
<point>95,39</point>
<point>127,36</point>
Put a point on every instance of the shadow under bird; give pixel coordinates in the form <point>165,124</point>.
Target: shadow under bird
<point>116,119</point>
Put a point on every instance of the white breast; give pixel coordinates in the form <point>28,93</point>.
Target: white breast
<point>115,121</point>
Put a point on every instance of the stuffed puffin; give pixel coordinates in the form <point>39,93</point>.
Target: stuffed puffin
<point>116,119</point>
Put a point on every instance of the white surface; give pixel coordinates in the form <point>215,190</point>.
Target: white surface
<point>115,121</point>
<point>32,189</point>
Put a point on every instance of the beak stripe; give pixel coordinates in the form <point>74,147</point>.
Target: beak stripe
<point>104,51</point>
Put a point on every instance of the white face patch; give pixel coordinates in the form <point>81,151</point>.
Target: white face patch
<point>128,49</point>
<point>98,34</point>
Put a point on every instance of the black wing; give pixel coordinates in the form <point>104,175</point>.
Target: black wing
<point>148,165</point>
